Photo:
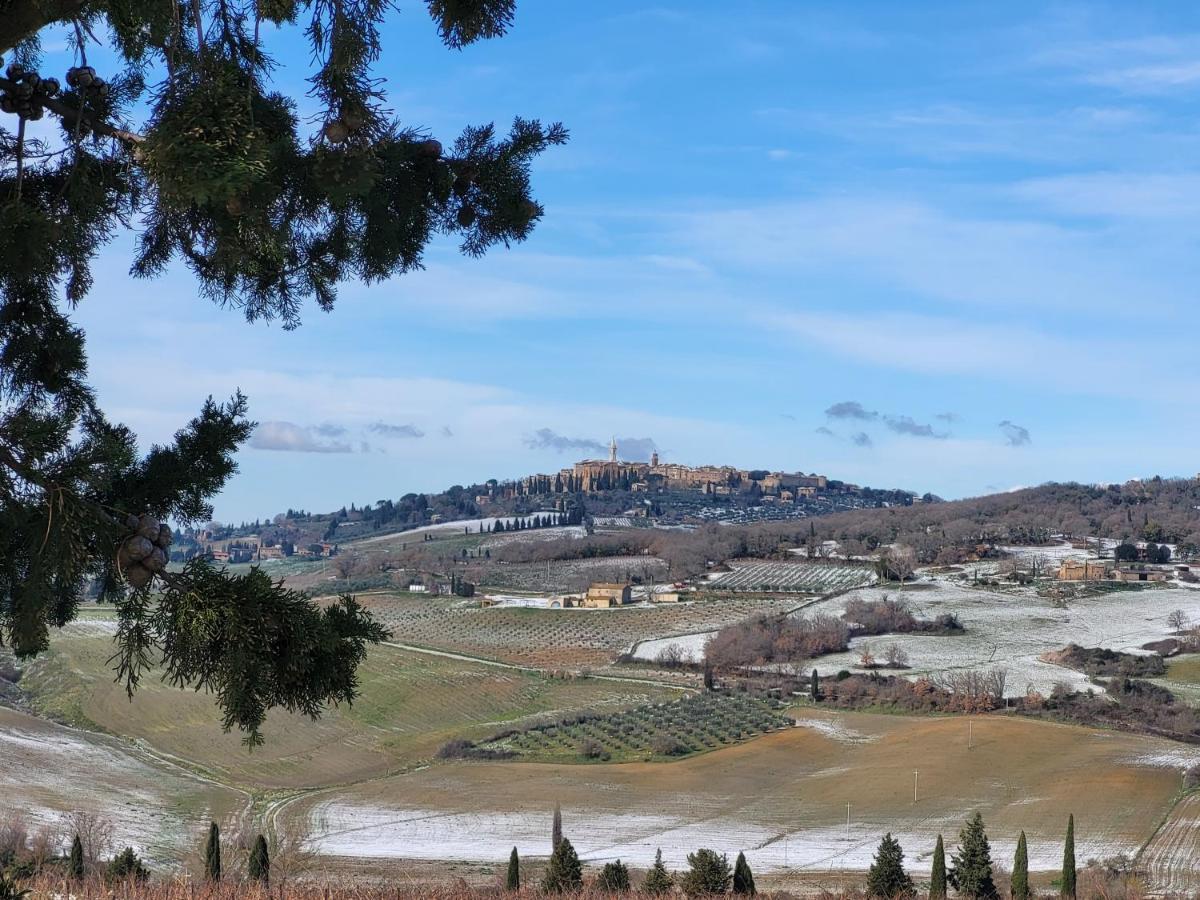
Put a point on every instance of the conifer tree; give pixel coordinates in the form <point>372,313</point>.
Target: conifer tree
<point>556,834</point>
<point>743,878</point>
<point>259,865</point>
<point>1020,872</point>
<point>708,873</point>
<point>886,878</point>
<point>564,872</point>
<point>75,864</point>
<point>269,211</point>
<point>937,877</point>
<point>658,880</point>
<point>815,687</point>
<point>212,854</point>
<point>971,867</point>
<point>1068,869</point>
<point>512,881</point>
<point>613,878</point>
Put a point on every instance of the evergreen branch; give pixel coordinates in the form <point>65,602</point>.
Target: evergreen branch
<point>74,117</point>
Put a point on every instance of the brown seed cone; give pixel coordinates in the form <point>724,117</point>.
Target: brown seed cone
<point>137,547</point>
<point>156,561</point>
<point>138,575</point>
<point>148,527</point>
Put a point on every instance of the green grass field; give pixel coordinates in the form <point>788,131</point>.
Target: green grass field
<point>410,704</point>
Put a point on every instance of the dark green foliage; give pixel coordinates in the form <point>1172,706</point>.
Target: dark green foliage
<point>126,866</point>
<point>708,873</point>
<point>1020,871</point>
<point>269,212</point>
<point>937,876</point>
<point>743,878</point>
<point>1068,869</point>
<point>75,864</point>
<point>886,878</point>
<point>814,690</point>
<point>658,880</point>
<point>212,854</point>
<point>613,878</point>
<point>971,867</point>
<point>512,881</point>
<point>258,867</point>
<point>564,872</point>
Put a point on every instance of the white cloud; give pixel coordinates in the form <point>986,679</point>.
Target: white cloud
<point>292,438</point>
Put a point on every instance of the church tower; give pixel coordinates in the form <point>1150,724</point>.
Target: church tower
<point>612,451</point>
<point>654,459</point>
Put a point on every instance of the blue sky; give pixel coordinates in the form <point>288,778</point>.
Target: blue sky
<point>954,215</point>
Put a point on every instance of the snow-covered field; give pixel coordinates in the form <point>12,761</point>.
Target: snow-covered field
<point>1003,630</point>
<point>802,577</point>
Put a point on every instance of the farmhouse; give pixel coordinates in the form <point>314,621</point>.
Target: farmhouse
<point>1083,570</point>
<point>1139,573</point>
<point>603,595</point>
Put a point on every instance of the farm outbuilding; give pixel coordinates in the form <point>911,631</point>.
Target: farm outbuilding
<point>602,595</point>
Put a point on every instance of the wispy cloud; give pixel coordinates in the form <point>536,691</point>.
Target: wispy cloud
<point>862,439</point>
<point>628,448</point>
<point>384,429</point>
<point>851,409</point>
<point>1015,435</point>
<point>908,425</point>
<point>948,417</point>
<point>292,438</point>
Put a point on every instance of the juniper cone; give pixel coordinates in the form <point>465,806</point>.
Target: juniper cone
<point>1068,869</point>
<point>75,865</point>
<point>658,879</point>
<point>743,878</point>
<point>564,873</point>
<point>971,868</point>
<point>937,877</point>
<point>259,865</point>
<point>886,878</point>
<point>512,881</point>
<point>1020,873</point>
<point>556,834</point>
<point>212,854</point>
<point>211,167</point>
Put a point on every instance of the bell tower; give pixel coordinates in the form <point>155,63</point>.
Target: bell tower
<point>612,451</point>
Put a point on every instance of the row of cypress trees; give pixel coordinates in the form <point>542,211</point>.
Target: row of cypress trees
<point>970,872</point>
<point>258,866</point>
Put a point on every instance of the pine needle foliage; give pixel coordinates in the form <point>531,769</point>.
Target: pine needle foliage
<point>743,878</point>
<point>1020,872</point>
<point>658,880</point>
<point>708,873</point>
<point>185,139</point>
<point>564,873</point>
<point>212,854</point>
<point>258,867</point>
<point>971,867</point>
<point>886,878</point>
<point>937,876</point>
<point>512,880</point>
<point>613,878</point>
<point>1068,869</point>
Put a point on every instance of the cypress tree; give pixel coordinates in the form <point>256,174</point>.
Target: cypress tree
<point>658,879</point>
<point>259,867</point>
<point>212,854</point>
<point>1068,869</point>
<point>513,881</point>
<point>564,872</point>
<point>971,868</point>
<point>1020,873</point>
<point>815,688</point>
<point>887,878</point>
<point>556,834</point>
<point>75,863</point>
<point>743,878</point>
<point>937,878</point>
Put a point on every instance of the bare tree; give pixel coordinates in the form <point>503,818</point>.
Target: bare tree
<point>670,656</point>
<point>291,857</point>
<point>1177,620</point>
<point>346,564</point>
<point>95,832</point>
<point>897,657</point>
<point>866,659</point>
